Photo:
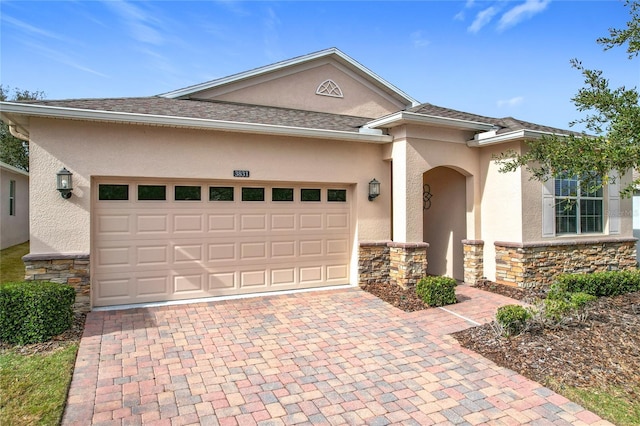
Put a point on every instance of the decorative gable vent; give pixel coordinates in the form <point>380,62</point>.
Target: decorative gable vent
<point>329,88</point>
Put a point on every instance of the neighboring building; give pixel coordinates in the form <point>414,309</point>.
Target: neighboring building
<point>260,182</point>
<point>636,215</point>
<point>14,204</point>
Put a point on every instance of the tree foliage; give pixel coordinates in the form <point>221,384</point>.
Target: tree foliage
<point>612,119</point>
<point>14,151</point>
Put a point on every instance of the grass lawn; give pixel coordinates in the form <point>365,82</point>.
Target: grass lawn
<point>34,387</point>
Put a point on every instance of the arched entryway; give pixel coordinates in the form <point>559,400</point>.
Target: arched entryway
<point>445,221</point>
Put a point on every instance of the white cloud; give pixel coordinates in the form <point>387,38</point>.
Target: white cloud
<point>509,103</point>
<point>482,18</point>
<point>140,23</point>
<point>272,23</point>
<point>34,31</point>
<point>521,12</point>
<point>418,39</point>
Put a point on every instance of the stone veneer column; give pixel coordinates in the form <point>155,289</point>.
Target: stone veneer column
<point>72,269</point>
<point>407,263</point>
<point>373,262</point>
<point>473,260</point>
<point>535,263</point>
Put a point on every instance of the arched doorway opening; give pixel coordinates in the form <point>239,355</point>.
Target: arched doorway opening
<point>445,221</point>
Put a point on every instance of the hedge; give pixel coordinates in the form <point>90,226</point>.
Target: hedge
<point>610,283</point>
<point>437,291</point>
<point>34,311</point>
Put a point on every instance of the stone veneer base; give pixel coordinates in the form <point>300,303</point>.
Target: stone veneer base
<point>538,263</point>
<point>72,269</point>
<point>403,264</point>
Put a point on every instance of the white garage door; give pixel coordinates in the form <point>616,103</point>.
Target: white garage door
<point>172,240</point>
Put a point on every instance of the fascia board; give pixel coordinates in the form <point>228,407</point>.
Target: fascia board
<point>13,169</point>
<point>197,123</point>
<point>405,117</point>
<point>288,63</point>
<point>508,137</point>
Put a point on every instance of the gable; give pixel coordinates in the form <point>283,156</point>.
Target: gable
<point>327,81</point>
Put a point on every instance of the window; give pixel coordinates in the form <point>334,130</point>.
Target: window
<point>339,195</point>
<point>12,198</point>
<point>282,194</point>
<point>220,193</point>
<point>187,193</point>
<point>310,194</point>
<point>578,205</point>
<point>113,192</point>
<point>252,194</point>
<point>152,192</point>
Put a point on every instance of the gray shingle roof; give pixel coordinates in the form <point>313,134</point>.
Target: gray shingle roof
<point>506,124</point>
<point>215,110</point>
<point>258,114</point>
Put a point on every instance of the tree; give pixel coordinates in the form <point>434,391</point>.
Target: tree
<point>613,116</point>
<point>14,151</point>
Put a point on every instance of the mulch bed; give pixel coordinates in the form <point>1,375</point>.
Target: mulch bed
<point>604,351</point>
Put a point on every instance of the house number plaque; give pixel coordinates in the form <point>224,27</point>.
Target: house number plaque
<point>241,173</point>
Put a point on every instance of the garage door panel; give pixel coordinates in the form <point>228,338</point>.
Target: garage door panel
<point>157,255</point>
<point>222,223</point>
<point>168,250</point>
<point>187,253</point>
<point>187,223</point>
<point>187,284</point>
<point>222,281</point>
<point>157,223</point>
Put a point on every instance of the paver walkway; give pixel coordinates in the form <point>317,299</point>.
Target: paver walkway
<point>328,357</point>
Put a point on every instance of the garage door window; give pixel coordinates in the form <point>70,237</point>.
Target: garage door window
<point>220,193</point>
<point>252,194</point>
<point>113,192</point>
<point>187,193</point>
<point>310,194</point>
<point>152,192</point>
<point>337,195</point>
<point>282,194</point>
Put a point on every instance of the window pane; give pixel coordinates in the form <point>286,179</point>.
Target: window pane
<point>220,193</point>
<point>566,211</point>
<point>152,192</point>
<point>113,192</point>
<point>310,194</point>
<point>339,195</point>
<point>282,194</point>
<point>591,218</point>
<point>252,194</point>
<point>12,198</point>
<point>588,187</point>
<point>187,193</point>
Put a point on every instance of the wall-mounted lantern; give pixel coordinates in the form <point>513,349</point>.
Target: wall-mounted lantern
<point>65,183</point>
<point>374,189</point>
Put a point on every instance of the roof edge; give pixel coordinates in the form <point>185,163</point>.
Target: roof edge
<point>13,169</point>
<point>199,123</point>
<point>405,117</point>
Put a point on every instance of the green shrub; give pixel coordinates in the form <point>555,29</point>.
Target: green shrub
<point>512,319</point>
<point>561,306</point>
<point>611,283</point>
<point>437,291</point>
<point>34,311</point>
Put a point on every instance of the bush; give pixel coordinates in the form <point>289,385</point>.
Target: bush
<point>562,306</point>
<point>611,283</point>
<point>437,291</point>
<point>34,311</point>
<point>512,319</point>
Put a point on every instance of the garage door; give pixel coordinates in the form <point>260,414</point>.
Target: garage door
<point>172,240</point>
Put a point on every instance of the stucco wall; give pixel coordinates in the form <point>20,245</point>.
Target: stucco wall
<point>98,149</point>
<point>501,208</point>
<point>636,223</point>
<point>296,88</point>
<point>14,229</point>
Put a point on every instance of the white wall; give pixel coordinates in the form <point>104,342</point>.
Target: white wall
<point>636,223</point>
<point>14,229</point>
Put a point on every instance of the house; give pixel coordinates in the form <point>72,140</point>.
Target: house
<point>636,215</point>
<point>14,206</point>
<point>311,172</point>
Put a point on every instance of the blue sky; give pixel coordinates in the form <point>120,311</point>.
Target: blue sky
<point>497,58</point>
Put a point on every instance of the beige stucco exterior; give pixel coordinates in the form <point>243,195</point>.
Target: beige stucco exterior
<point>14,223</point>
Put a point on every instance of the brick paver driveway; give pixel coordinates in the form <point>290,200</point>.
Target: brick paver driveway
<point>328,357</point>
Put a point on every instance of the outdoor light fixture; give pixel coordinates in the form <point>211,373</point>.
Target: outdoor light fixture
<point>374,189</point>
<point>65,182</point>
